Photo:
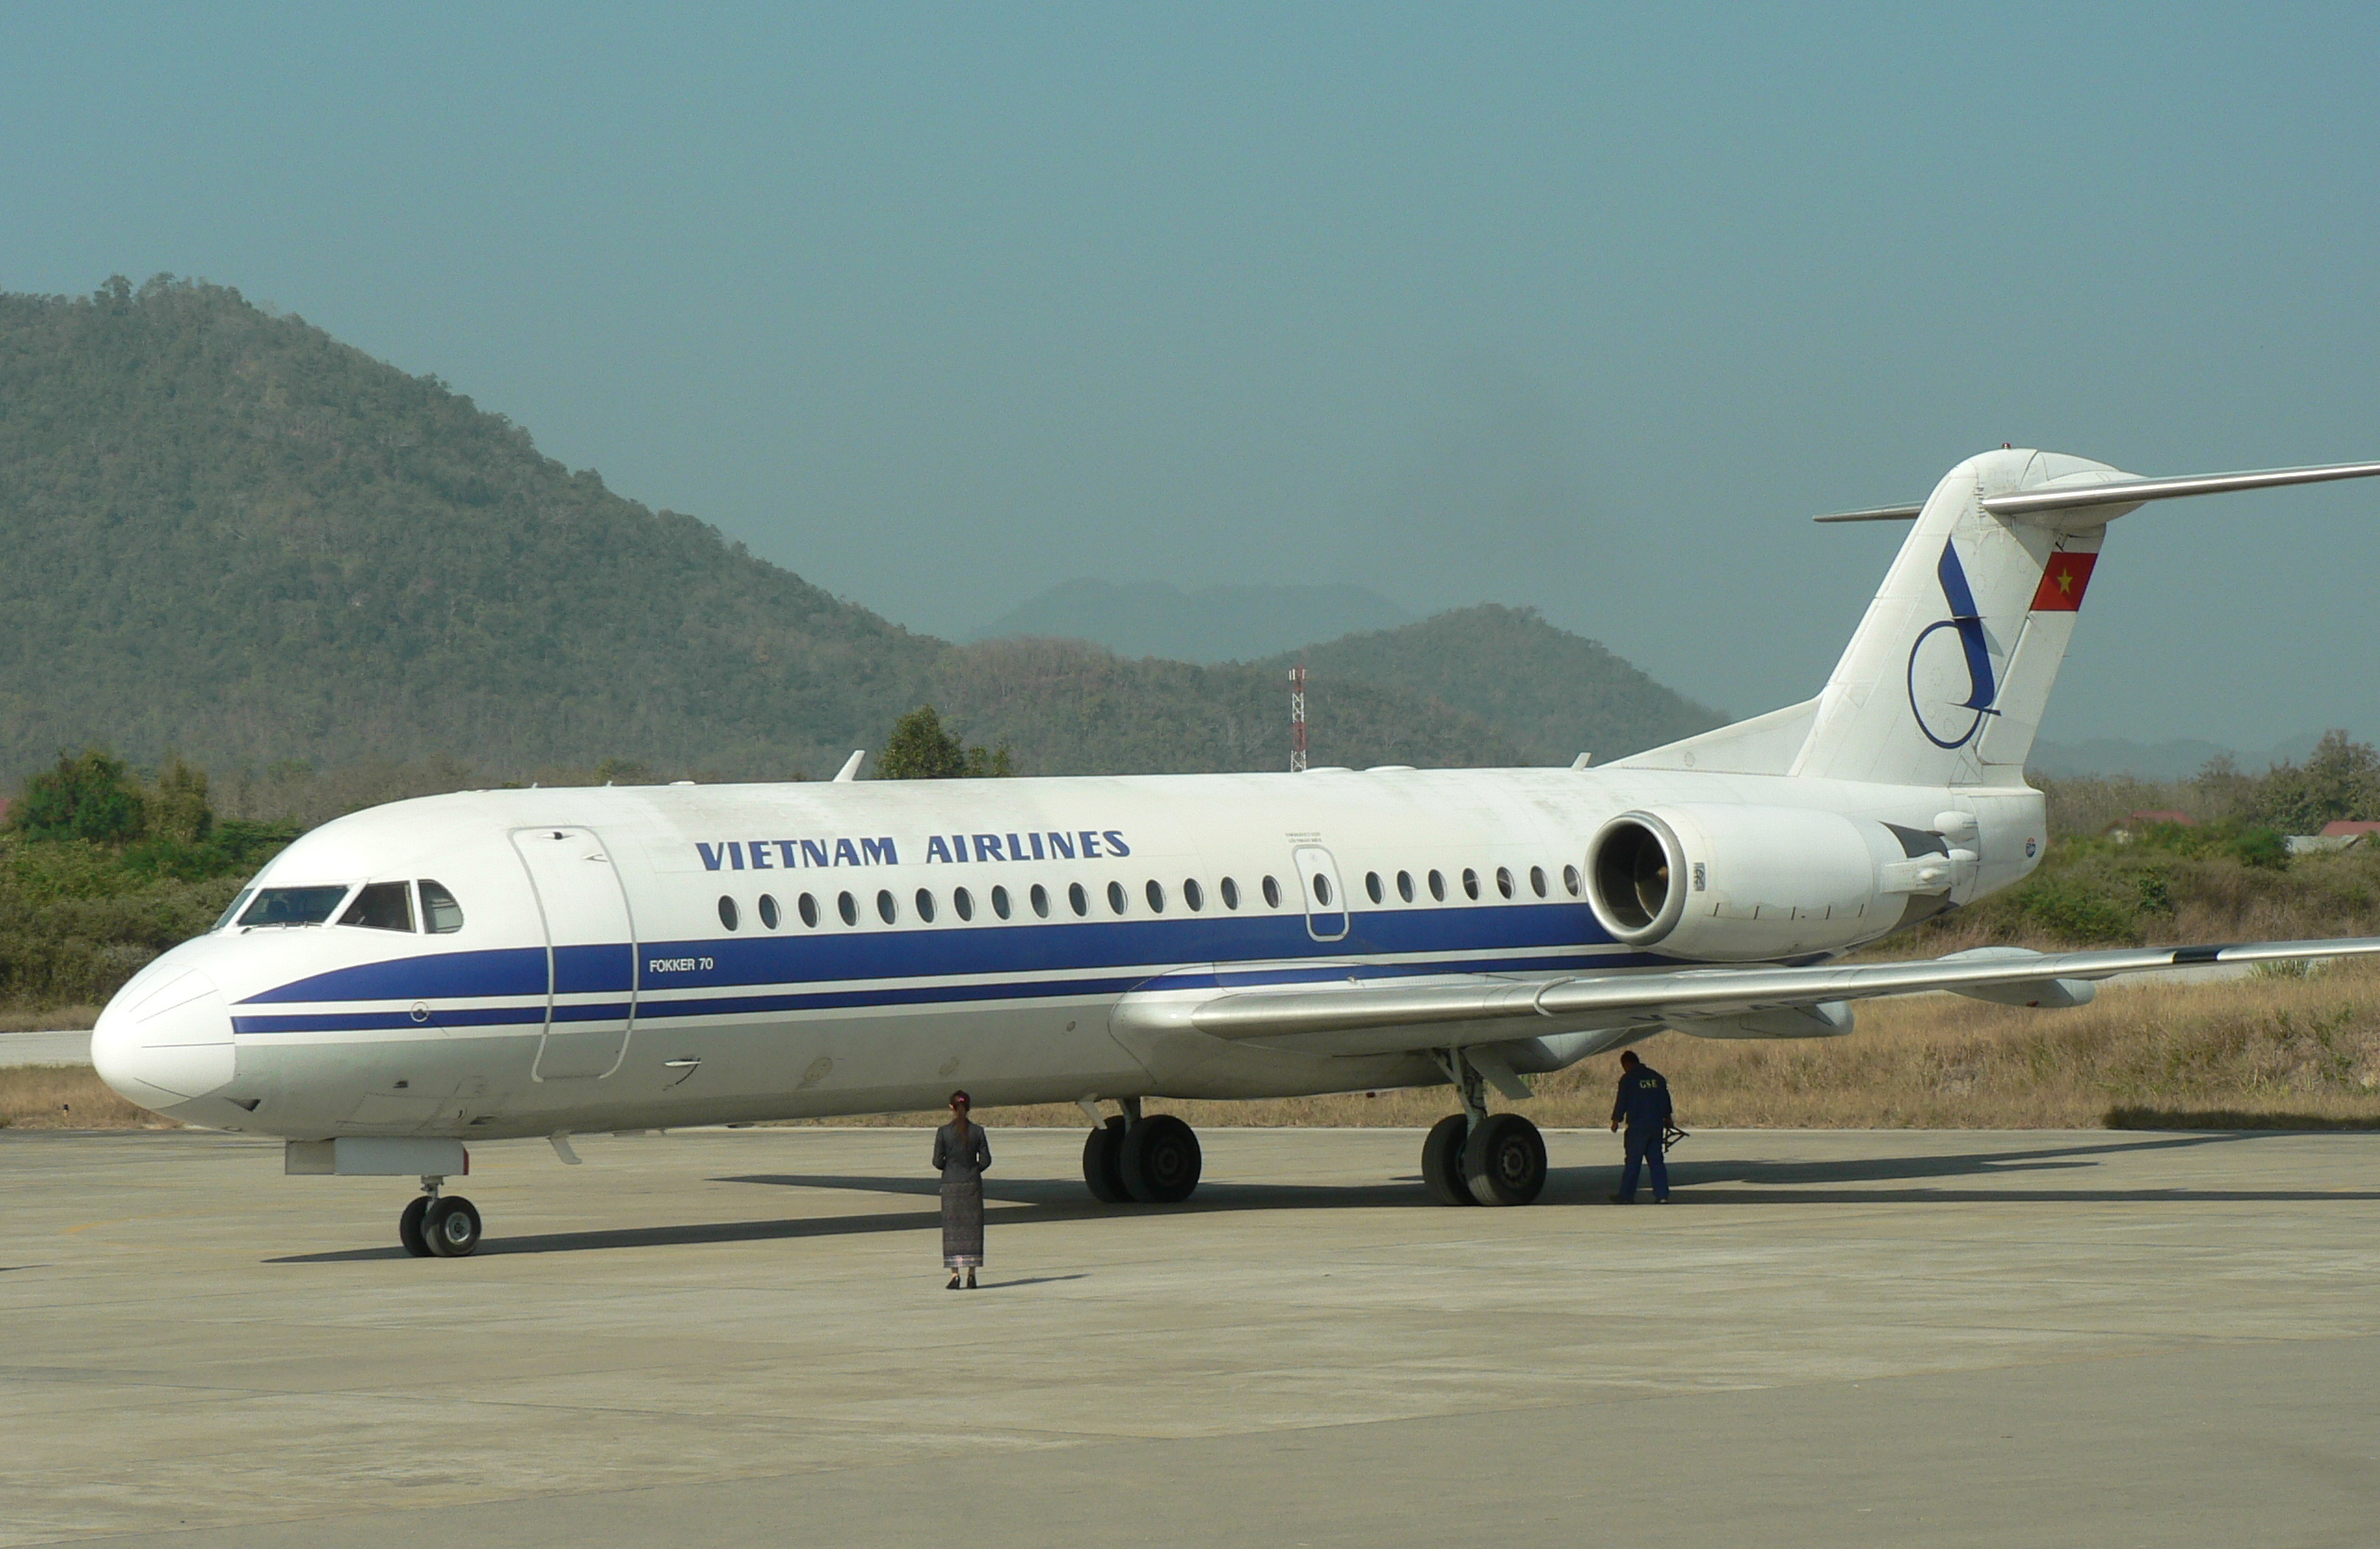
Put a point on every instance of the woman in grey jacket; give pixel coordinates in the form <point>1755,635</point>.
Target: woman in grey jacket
<point>961,1154</point>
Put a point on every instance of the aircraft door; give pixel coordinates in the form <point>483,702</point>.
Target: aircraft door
<point>1326,901</point>
<point>591,952</point>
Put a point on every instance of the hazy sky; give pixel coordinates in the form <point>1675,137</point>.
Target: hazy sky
<point>1564,306</point>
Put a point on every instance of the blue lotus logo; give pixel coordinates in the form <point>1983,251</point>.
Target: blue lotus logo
<point>1950,681</point>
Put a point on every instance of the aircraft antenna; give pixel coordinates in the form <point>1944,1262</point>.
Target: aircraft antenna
<point>1297,719</point>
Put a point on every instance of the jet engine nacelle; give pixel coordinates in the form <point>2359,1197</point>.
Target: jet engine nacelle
<point>1743,884</point>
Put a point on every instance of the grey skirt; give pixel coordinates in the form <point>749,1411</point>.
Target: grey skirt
<point>962,1223</point>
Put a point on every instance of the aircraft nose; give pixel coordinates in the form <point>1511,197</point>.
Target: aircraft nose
<point>162,1044</point>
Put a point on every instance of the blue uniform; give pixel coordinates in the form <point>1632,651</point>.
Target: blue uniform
<point>1642,1105</point>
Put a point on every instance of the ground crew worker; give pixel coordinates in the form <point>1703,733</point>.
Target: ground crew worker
<point>1643,1104</point>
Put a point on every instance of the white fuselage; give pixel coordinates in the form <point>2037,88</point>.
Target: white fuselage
<point>658,956</point>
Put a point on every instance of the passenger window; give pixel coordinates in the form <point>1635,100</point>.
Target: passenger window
<point>999,902</point>
<point>1115,896</point>
<point>1193,894</point>
<point>381,906</point>
<point>1438,885</point>
<point>1372,886</point>
<point>1470,883</point>
<point>1405,886</point>
<point>769,915</point>
<point>1231,893</point>
<point>1537,881</point>
<point>1570,880</point>
<point>964,902</point>
<point>293,906</point>
<point>1271,894</point>
<point>1041,899</point>
<point>1155,891</point>
<point>809,907</point>
<point>886,909</point>
<point>925,906</point>
<point>1077,900</point>
<point>1504,880</point>
<point>1321,889</point>
<point>848,907</point>
<point>727,915</point>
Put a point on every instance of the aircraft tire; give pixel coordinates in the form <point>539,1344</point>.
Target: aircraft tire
<point>1102,1164</point>
<point>1505,1162</point>
<point>1160,1161</point>
<point>451,1226</point>
<point>1442,1160</point>
<point>409,1227</point>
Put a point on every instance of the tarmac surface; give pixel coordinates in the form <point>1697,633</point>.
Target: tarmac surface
<point>44,1048</point>
<point>742,1338</point>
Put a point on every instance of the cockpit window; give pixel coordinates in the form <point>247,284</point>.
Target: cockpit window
<point>292,906</point>
<point>233,912</point>
<point>439,910</point>
<point>381,906</point>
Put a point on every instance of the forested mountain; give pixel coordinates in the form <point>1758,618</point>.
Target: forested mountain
<point>1554,694</point>
<point>231,536</point>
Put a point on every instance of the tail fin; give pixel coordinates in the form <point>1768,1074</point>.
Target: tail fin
<point>1946,677</point>
<point>1946,680</point>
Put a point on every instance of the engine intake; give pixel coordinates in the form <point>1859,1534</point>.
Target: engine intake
<point>1633,862</point>
<point>1745,884</point>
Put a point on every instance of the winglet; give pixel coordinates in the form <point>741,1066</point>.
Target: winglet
<point>851,766</point>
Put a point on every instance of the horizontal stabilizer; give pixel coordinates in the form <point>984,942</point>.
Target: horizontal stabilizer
<point>2118,490</point>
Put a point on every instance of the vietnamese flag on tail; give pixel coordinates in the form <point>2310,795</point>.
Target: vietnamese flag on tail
<point>2063,582</point>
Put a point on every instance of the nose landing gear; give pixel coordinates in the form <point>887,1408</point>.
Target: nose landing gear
<point>435,1225</point>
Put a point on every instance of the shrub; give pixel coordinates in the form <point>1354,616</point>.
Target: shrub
<point>2264,848</point>
<point>2068,908</point>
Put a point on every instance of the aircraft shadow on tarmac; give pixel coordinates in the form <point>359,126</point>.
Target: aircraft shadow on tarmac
<point>1022,1201</point>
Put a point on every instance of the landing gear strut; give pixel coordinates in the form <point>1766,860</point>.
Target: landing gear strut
<point>1147,1161</point>
<point>436,1225</point>
<point>1474,1157</point>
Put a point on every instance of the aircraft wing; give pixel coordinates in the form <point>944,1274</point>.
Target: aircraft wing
<point>1386,1016</point>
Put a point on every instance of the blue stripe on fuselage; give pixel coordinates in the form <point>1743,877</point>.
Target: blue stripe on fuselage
<point>828,958</point>
<point>653,1011</point>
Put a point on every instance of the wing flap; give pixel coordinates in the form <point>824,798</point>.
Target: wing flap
<point>1624,1000</point>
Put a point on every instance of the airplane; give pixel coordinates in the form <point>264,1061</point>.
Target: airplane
<point>494,964</point>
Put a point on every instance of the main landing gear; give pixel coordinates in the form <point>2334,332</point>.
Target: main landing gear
<point>436,1225</point>
<point>1475,1158</point>
<point>1146,1161</point>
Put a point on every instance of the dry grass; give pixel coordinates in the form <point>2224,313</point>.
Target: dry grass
<point>2272,1050</point>
<point>67,1097</point>
<point>57,1019</point>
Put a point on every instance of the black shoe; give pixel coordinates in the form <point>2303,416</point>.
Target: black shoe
<point>1660,1198</point>
<point>953,1285</point>
<point>1619,1198</point>
<point>971,1279</point>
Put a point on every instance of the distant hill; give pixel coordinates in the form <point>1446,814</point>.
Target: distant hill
<point>2109,757</point>
<point>1556,694</point>
<point>227,533</point>
<point>1070,708</point>
<point>1214,624</point>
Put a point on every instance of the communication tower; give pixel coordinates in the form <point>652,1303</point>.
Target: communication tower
<point>1297,719</point>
